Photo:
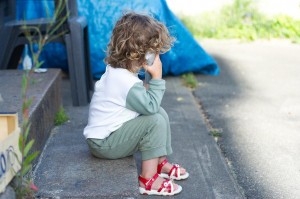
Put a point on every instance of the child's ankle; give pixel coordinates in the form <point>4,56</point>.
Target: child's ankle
<point>147,175</point>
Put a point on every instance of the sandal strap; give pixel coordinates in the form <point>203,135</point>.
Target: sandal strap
<point>166,185</point>
<point>175,170</point>
<point>148,182</point>
<point>160,166</point>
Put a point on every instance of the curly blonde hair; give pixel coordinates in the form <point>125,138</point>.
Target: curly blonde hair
<point>134,35</point>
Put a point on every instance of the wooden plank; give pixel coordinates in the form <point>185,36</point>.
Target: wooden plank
<point>3,128</point>
<point>9,148</point>
<point>12,123</point>
<point>8,124</point>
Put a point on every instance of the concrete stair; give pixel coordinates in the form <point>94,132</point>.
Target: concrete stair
<point>45,88</point>
<point>66,169</point>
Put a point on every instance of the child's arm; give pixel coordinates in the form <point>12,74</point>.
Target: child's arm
<point>146,102</point>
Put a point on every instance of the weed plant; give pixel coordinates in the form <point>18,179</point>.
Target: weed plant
<point>60,117</point>
<point>189,80</point>
<point>23,184</point>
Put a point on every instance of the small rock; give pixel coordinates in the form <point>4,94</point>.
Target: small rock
<point>179,99</point>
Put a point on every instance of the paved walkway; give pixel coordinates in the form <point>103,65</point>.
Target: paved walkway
<point>66,168</point>
<point>255,101</point>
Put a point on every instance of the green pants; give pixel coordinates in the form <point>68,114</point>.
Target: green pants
<point>150,134</point>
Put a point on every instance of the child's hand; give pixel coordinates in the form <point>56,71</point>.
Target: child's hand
<point>156,69</point>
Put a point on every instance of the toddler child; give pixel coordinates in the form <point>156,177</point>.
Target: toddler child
<point>124,116</point>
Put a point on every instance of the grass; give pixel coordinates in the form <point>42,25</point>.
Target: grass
<point>189,80</point>
<point>242,20</point>
<point>60,117</point>
<point>216,133</point>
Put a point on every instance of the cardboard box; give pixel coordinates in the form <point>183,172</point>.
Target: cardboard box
<point>9,148</point>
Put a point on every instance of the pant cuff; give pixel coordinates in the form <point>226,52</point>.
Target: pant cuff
<point>169,150</point>
<point>154,153</point>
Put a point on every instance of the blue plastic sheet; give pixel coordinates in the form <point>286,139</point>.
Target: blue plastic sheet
<point>186,55</point>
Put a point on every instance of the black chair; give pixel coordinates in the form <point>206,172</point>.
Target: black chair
<point>75,38</point>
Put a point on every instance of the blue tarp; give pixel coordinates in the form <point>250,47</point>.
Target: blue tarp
<point>186,55</point>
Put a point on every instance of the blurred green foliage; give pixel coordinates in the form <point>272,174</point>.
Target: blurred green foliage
<point>60,117</point>
<point>242,20</point>
<point>189,80</point>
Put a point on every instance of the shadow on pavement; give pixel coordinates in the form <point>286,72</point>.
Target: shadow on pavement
<point>217,95</point>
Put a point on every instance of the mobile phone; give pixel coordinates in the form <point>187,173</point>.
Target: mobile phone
<point>149,61</point>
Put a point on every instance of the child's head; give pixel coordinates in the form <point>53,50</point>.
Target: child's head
<point>134,35</point>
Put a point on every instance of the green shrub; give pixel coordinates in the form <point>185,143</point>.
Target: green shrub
<point>242,20</point>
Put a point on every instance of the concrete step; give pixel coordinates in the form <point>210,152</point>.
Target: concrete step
<point>66,168</point>
<point>46,93</point>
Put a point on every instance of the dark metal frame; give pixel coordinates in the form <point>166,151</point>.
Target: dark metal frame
<point>12,41</point>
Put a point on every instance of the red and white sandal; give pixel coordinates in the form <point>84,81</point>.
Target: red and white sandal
<point>166,189</point>
<point>174,172</point>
